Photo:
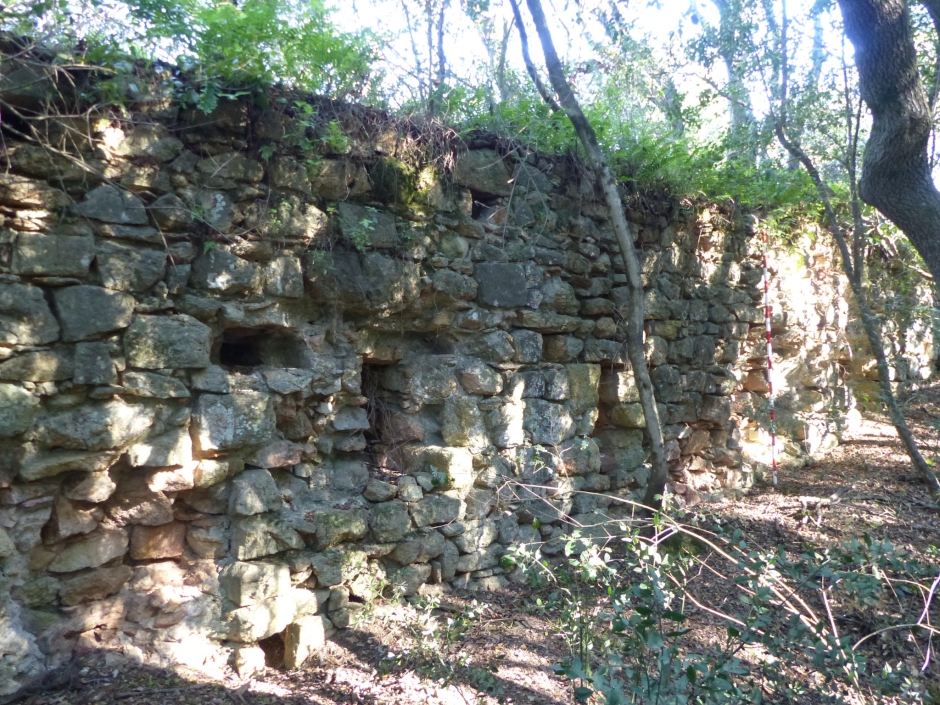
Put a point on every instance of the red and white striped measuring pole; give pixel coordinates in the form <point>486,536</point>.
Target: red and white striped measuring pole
<point>770,362</point>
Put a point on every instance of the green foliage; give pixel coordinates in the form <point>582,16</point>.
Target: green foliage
<point>623,608</point>
<point>223,47</point>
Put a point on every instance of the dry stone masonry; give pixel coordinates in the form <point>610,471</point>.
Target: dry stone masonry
<point>240,397</point>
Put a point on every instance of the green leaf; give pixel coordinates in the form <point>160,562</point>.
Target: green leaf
<point>582,693</point>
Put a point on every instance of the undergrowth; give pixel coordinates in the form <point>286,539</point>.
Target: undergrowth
<point>846,624</point>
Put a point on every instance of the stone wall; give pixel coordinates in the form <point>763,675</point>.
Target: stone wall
<point>240,396</point>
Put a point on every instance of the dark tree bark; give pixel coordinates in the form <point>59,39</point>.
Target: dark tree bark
<point>634,313</point>
<point>852,263</point>
<point>896,175</point>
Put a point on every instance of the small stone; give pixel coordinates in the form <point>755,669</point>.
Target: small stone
<point>71,519</point>
<point>174,447</point>
<point>454,466</point>
<point>94,487</point>
<point>408,489</point>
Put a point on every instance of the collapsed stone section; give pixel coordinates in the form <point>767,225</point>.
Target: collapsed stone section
<point>241,398</point>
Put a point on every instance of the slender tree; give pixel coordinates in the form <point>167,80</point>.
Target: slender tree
<point>567,102</point>
<point>852,261</point>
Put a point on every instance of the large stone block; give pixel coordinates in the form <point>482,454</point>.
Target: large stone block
<point>94,585</point>
<point>93,364</point>
<point>249,583</point>
<point>128,268</point>
<point>95,426</point>
<point>618,387</point>
<point>453,466</point>
<point>302,638</point>
<point>135,503</point>
<point>462,424</point>
<point>547,423</point>
<point>419,547</point>
<point>112,205</point>
<point>262,535</point>
<point>479,378</point>
<point>283,276</point>
<point>367,227</point>
<point>227,421</point>
<point>169,213</point>
<point>389,521</point>
<point>501,284</point>
<point>583,387</point>
<point>153,385</point>
<point>158,342</point>
<point>53,255</point>
<point>90,551</point>
<point>175,447</point>
<point>527,346</point>
<point>628,416</point>
<point>88,311</point>
<point>40,366</point>
<point>17,410</point>
<point>409,578</point>
<point>337,526</point>
<point>484,171</point>
<point>254,492</point>
<point>25,318</point>
<point>260,620</point>
<point>49,464</point>
<point>436,510</point>
<point>158,542</point>
<point>222,271</point>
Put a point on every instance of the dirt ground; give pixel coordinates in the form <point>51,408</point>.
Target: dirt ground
<point>500,648</point>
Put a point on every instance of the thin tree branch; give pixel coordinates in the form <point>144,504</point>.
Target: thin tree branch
<point>635,308</point>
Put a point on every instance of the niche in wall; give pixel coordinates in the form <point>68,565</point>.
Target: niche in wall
<point>240,348</point>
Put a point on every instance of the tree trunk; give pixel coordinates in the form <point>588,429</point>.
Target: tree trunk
<point>634,313</point>
<point>852,266</point>
<point>896,175</point>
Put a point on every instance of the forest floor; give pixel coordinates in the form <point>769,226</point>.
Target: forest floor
<point>500,647</point>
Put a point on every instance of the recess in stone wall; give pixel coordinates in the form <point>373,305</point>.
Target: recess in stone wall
<point>272,348</point>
